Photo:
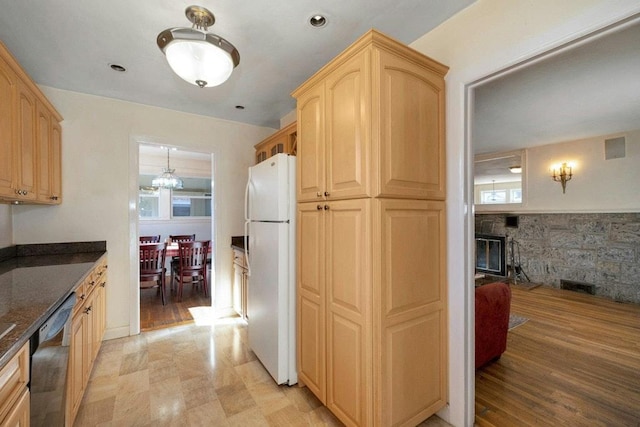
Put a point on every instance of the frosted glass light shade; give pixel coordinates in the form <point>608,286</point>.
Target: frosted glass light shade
<point>195,61</point>
<point>200,58</point>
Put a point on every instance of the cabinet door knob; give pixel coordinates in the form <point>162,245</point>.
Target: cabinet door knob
<point>326,194</point>
<point>318,194</point>
<point>326,207</point>
<point>319,207</point>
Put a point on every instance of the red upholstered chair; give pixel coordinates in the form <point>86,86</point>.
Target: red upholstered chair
<point>493,303</point>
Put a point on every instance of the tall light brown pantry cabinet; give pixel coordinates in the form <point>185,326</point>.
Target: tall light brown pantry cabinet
<point>372,325</point>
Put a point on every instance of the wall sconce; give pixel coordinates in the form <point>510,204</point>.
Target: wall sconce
<point>562,173</point>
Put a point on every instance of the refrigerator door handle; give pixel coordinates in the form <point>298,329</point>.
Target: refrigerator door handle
<point>246,247</point>
<point>246,223</point>
<point>246,198</point>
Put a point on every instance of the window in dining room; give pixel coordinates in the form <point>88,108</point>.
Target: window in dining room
<point>193,200</point>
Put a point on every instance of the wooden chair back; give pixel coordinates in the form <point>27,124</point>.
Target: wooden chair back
<point>193,256</point>
<point>152,257</point>
<point>192,264</point>
<point>150,239</point>
<point>183,238</point>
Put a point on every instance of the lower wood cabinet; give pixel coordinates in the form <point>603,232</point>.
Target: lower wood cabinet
<point>240,283</point>
<point>87,331</point>
<point>14,394</point>
<point>372,308</point>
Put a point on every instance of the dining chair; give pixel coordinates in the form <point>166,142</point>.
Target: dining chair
<point>192,265</point>
<point>177,239</point>
<point>182,238</point>
<point>152,269</point>
<point>150,239</point>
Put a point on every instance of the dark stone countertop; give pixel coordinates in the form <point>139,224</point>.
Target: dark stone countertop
<point>32,287</point>
<point>237,242</point>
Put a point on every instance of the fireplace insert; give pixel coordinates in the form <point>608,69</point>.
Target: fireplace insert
<point>491,255</point>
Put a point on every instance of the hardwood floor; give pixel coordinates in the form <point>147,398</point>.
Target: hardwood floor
<point>154,315</point>
<point>575,362</point>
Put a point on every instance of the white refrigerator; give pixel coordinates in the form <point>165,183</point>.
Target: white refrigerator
<point>270,212</point>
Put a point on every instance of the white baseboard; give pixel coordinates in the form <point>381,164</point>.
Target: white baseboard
<point>113,333</point>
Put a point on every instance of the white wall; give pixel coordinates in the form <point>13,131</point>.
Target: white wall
<point>598,185</point>
<point>97,134</point>
<point>489,36</point>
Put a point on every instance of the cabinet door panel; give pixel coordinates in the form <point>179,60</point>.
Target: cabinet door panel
<point>311,146</point>
<point>75,380</point>
<point>412,308</point>
<point>55,162</point>
<point>311,298</point>
<point>412,124</point>
<point>43,138</point>
<point>20,415</point>
<point>348,284</point>
<point>26,142</point>
<point>348,130</point>
<point>7,117</point>
<point>346,394</point>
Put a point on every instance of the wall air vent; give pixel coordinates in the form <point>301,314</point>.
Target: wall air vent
<point>573,285</point>
<point>614,148</point>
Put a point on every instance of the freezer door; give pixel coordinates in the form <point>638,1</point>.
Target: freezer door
<point>269,189</point>
<point>269,299</point>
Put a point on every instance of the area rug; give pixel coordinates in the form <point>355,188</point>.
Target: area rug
<point>515,321</point>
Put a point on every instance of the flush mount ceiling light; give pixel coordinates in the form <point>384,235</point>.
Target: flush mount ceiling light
<point>515,169</point>
<point>198,57</point>
<point>167,179</point>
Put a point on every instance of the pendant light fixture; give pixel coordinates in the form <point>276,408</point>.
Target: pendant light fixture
<point>198,57</point>
<point>167,179</point>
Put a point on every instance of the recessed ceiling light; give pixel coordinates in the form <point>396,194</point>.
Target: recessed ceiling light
<point>240,107</point>
<point>317,21</point>
<point>117,67</point>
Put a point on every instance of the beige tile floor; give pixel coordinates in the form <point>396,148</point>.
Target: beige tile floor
<point>194,376</point>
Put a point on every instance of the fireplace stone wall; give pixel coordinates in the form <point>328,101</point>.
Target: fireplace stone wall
<point>602,249</point>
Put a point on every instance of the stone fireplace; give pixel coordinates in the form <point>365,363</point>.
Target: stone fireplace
<point>602,249</point>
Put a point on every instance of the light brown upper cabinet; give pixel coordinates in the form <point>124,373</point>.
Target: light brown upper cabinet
<point>30,139</point>
<point>283,141</point>
<point>371,245</point>
<point>372,122</point>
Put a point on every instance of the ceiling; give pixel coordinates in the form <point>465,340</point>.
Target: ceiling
<point>590,90</point>
<point>70,44</point>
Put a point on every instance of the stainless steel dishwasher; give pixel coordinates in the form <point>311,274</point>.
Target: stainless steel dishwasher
<point>49,348</point>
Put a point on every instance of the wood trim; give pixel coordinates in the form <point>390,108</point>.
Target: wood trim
<point>377,39</point>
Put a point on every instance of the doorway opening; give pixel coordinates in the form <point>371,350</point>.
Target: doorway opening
<point>165,213</point>
<point>482,93</point>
